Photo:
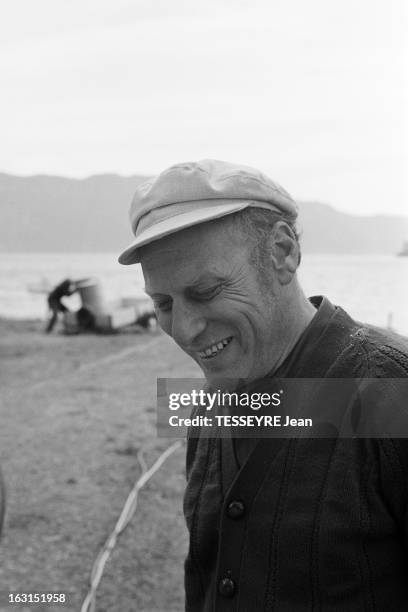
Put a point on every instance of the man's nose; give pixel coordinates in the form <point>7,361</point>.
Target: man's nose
<point>187,323</point>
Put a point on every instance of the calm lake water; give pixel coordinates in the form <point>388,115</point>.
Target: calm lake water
<point>372,288</point>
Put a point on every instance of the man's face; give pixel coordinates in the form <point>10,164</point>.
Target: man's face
<point>209,298</point>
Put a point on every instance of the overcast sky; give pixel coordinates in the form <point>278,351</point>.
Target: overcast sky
<point>312,92</point>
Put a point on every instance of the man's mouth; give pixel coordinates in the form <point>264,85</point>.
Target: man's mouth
<point>215,349</point>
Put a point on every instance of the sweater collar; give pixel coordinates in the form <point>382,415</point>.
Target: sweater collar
<point>321,338</point>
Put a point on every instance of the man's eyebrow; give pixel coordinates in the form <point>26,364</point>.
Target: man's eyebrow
<point>196,282</point>
<point>206,278</point>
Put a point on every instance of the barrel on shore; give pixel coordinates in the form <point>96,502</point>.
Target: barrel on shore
<point>91,295</point>
<point>95,314</point>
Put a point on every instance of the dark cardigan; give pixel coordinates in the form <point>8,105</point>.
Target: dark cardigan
<point>294,525</point>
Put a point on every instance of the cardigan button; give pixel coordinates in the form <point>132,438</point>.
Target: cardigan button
<point>235,509</point>
<point>226,587</point>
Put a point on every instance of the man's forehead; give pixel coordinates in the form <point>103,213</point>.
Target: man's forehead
<point>190,257</point>
<point>190,272</point>
<point>216,235</point>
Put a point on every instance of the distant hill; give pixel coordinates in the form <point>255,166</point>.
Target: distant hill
<point>56,214</point>
<point>327,230</point>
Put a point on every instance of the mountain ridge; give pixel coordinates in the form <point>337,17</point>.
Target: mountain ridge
<point>50,213</point>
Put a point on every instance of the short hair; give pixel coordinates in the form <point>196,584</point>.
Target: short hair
<point>257,224</point>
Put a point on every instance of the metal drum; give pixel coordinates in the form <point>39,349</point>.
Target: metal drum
<point>91,295</point>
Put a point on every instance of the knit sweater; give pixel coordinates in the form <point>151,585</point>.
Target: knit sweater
<point>294,525</point>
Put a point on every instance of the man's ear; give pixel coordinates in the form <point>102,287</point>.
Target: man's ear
<point>284,251</point>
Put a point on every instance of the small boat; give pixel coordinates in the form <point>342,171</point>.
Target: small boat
<point>404,251</point>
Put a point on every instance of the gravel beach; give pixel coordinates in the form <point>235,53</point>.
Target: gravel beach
<point>75,410</point>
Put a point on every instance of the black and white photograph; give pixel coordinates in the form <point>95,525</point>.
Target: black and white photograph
<point>204,306</point>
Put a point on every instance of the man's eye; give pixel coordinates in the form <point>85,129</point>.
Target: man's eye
<point>163,306</point>
<point>208,294</point>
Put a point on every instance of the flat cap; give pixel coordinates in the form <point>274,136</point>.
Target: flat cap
<point>195,192</point>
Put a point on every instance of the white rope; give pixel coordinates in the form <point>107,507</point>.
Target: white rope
<point>121,524</point>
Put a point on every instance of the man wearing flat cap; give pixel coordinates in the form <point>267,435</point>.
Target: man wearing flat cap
<point>282,524</point>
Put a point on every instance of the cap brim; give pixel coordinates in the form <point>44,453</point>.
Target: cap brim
<point>176,223</point>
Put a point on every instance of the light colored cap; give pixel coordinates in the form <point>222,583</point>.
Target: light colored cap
<point>194,192</point>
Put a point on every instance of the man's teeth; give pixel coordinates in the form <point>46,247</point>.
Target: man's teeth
<point>214,349</point>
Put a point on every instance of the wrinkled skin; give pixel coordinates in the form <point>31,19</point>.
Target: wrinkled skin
<point>206,291</point>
